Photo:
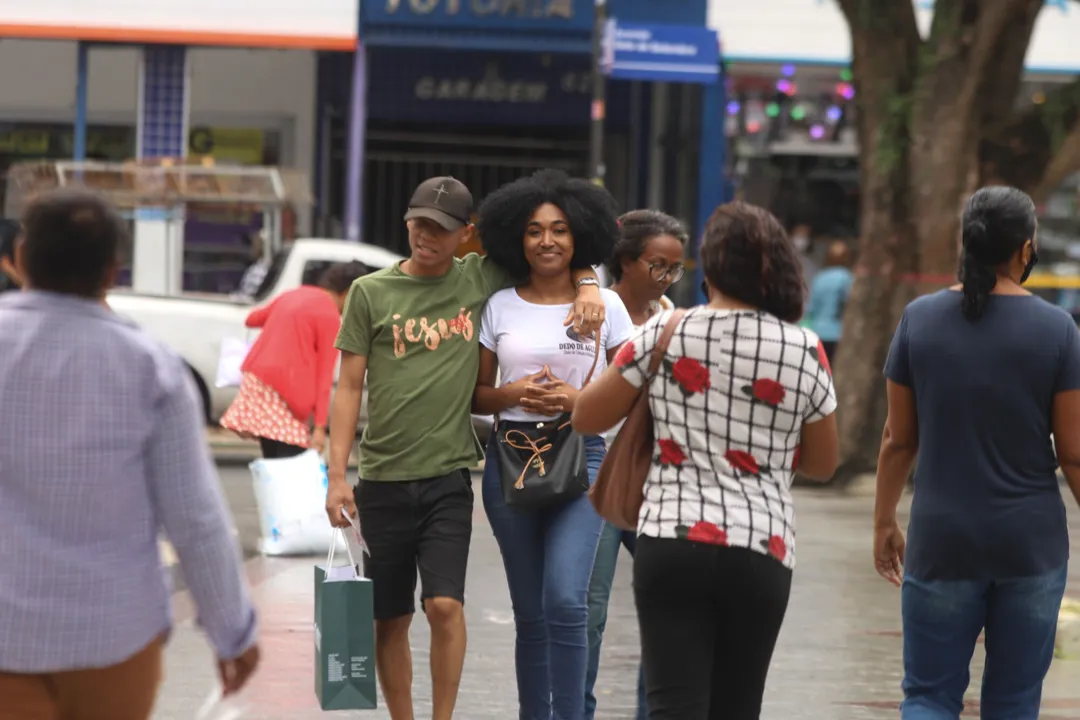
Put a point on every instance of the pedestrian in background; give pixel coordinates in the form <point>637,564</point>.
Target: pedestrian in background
<point>255,273</point>
<point>742,398</point>
<point>539,229</point>
<point>102,445</point>
<point>9,274</point>
<point>980,377</point>
<point>829,292</point>
<point>411,329</point>
<point>647,260</point>
<point>288,375</point>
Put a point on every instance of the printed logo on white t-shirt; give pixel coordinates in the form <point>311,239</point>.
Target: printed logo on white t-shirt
<point>579,345</point>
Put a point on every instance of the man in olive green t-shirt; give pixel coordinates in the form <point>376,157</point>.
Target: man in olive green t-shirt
<point>412,329</point>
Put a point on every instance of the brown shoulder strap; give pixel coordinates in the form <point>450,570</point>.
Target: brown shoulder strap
<point>662,344</point>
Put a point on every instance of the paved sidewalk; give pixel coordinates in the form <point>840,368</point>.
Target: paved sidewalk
<point>838,657</point>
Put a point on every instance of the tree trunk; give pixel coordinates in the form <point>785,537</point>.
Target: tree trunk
<point>922,107</point>
<point>885,45</point>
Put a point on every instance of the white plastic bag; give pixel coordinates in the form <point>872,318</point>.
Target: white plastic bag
<point>291,499</point>
<point>233,352</point>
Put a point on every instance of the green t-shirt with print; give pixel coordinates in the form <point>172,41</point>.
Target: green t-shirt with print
<point>419,335</point>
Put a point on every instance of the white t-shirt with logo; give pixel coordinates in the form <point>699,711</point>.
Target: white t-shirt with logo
<point>526,337</point>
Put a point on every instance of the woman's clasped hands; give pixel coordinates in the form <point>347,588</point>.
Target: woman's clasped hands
<point>542,393</point>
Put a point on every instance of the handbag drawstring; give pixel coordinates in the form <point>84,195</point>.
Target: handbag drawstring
<point>532,446</point>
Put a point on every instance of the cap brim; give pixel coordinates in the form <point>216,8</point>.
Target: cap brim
<point>447,222</point>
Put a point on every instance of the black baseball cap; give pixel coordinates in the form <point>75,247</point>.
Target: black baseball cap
<point>443,199</point>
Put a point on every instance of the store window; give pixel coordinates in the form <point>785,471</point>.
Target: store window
<point>218,245</point>
<point>26,142</point>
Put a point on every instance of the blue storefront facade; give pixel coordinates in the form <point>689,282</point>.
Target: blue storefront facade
<point>489,90</point>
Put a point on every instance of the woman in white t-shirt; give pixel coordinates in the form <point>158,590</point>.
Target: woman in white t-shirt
<point>539,229</point>
<point>647,260</point>
<point>742,398</point>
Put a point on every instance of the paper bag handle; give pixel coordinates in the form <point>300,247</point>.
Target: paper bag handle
<point>333,547</point>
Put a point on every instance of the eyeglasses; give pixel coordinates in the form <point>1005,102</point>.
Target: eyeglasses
<point>673,273</point>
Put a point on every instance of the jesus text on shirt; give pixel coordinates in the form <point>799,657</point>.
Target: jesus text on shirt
<point>431,334</point>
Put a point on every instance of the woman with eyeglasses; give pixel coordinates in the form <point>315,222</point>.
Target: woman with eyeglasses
<point>648,259</point>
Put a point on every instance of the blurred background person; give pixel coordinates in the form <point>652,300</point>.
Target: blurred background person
<point>288,375</point>
<point>742,398</point>
<point>803,241</point>
<point>647,260</point>
<point>103,446</point>
<point>829,292</point>
<point>252,279</point>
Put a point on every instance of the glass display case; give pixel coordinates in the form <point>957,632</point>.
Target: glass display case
<point>262,195</point>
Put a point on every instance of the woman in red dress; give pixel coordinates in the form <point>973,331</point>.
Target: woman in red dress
<point>284,397</point>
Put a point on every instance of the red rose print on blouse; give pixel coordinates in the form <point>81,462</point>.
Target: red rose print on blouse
<point>692,376</point>
<point>625,356</point>
<point>767,391</point>
<point>706,532</point>
<point>795,460</point>
<point>671,453</point>
<point>776,547</point>
<point>742,461</point>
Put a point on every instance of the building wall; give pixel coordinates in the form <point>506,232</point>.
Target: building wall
<point>815,31</point>
<point>230,87</point>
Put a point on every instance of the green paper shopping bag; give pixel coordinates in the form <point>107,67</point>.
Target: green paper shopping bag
<point>344,637</point>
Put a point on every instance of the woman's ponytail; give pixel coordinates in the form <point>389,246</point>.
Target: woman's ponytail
<point>978,278</point>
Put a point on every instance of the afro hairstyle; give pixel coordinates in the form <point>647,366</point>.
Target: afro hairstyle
<point>590,212</point>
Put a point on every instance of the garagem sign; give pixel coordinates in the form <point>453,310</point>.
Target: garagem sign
<point>301,24</point>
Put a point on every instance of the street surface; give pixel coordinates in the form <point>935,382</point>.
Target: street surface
<point>838,657</point>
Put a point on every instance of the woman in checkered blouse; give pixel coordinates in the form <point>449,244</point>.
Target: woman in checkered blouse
<point>743,397</point>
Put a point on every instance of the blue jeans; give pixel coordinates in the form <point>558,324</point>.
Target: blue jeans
<point>603,575</point>
<point>548,556</point>
<point>942,621</point>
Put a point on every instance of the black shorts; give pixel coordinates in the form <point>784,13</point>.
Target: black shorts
<point>411,525</point>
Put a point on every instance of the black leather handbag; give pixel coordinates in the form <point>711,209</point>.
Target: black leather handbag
<point>543,464</point>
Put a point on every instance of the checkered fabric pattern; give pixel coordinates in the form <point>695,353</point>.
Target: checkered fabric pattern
<point>101,447</point>
<point>728,405</point>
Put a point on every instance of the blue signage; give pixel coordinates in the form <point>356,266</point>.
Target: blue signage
<point>452,87</point>
<point>527,15</point>
<point>661,53</point>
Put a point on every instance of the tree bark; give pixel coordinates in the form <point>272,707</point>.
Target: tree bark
<point>1037,149</point>
<point>923,107</point>
<point>885,46</point>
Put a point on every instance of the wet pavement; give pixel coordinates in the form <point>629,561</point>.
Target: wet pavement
<point>838,657</point>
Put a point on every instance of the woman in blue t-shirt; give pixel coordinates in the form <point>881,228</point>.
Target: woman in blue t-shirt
<point>979,377</point>
<point>539,229</point>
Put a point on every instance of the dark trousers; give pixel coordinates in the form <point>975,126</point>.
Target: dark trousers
<point>277,450</point>
<point>709,620</point>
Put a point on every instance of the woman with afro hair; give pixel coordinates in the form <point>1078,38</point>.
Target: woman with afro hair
<point>539,229</point>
